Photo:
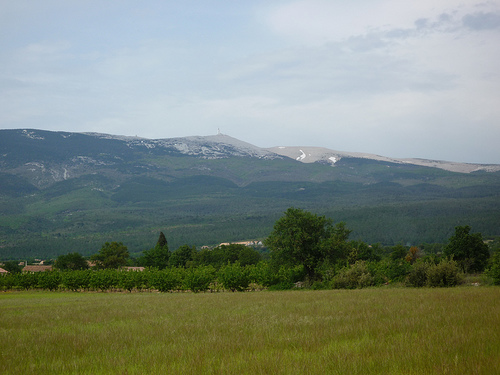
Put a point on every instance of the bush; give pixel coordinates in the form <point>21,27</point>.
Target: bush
<point>10,280</point>
<point>417,277</point>
<point>355,276</point>
<point>493,270</point>
<point>28,280</point>
<point>49,280</point>
<point>76,280</point>
<point>444,274</point>
<point>199,279</point>
<point>166,280</point>
<point>388,270</point>
<point>234,277</point>
<point>104,279</point>
<point>265,274</point>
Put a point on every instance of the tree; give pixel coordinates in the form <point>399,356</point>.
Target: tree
<point>111,255</point>
<point>468,249</point>
<point>302,238</point>
<point>493,270</point>
<point>413,254</point>
<point>398,252</point>
<point>71,261</point>
<point>182,256</point>
<point>12,267</point>
<point>159,255</point>
<point>162,241</point>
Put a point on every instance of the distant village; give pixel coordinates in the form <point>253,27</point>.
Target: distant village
<point>40,266</point>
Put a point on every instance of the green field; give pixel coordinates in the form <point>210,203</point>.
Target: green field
<point>368,331</point>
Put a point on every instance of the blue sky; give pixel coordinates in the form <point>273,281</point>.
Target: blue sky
<point>390,77</point>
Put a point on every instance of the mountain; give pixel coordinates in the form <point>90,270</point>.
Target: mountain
<point>62,192</point>
<point>319,154</point>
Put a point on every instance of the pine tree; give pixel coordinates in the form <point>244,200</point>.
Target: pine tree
<point>162,241</point>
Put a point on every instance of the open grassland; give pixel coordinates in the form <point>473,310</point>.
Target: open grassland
<point>368,331</point>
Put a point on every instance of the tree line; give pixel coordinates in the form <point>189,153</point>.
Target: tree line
<point>305,250</point>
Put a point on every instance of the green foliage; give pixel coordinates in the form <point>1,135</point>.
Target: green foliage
<point>234,277</point>
<point>28,280</point>
<point>166,280</point>
<point>300,237</point>
<point>162,241</point>
<point>182,256</point>
<point>388,270</point>
<point>104,279</point>
<point>111,255</point>
<point>493,270</point>
<point>158,256</point>
<point>361,251</point>
<point>71,261</point>
<point>199,279</point>
<point>468,249</point>
<point>12,266</point>
<point>49,280</point>
<point>77,280</point>
<point>444,274</point>
<point>417,277</point>
<point>355,276</point>
<point>225,254</point>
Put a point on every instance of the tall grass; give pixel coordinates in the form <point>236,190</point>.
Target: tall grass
<point>369,331</point>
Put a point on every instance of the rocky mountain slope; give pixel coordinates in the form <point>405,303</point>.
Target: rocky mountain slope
<point>61,191</point>
<point>43,158</point>
<point>319,154</point>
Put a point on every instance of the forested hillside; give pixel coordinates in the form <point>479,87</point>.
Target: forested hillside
<point>63,192</point>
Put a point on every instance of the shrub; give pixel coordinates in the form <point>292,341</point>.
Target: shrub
<point>199,279</point>
<point>104,279</point>
<point>417,277</point>
<point>388,270</point>
<point>28,280</point>
<point>49,280</point>
<point>444,274</point>
<point>234,277</point>
<point>493,270</point>
<point>355,276</point>
<point>165,280</point>
<point>76,280</point>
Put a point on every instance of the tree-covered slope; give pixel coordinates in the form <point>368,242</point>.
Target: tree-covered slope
<point>63,192</point>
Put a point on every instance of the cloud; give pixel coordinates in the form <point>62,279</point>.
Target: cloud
<point>395,78</point>
<point>482,21</point>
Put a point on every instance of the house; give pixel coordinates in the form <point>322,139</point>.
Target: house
<point>3,272</point>
<point>37,268</point>
<point>140,269</point>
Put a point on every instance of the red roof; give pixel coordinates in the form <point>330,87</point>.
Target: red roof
<point>37,268</point>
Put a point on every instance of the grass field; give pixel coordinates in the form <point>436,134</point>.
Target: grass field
<point>368,331</point>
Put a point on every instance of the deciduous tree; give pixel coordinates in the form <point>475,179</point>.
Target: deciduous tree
<point>302,238</point>
<point>71,261</point>
<point>468,249</point>
<point>111,255</point>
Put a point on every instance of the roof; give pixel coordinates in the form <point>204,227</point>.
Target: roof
<point>134,268</point>
<point>2,271</point>
<point>37,268</point>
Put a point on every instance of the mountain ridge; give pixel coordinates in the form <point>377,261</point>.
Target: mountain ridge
<point>62,190</point>
<point>222,145</point>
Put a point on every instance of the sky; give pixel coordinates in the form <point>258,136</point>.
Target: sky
<point>398,78</point>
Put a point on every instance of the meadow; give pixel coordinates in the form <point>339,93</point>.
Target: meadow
<point>365,331</point>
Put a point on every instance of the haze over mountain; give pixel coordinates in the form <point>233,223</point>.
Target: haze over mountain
<point>61,190</point>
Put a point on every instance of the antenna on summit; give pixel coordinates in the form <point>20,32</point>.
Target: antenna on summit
<point>218,131</point>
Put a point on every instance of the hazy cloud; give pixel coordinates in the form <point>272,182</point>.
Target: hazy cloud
<point>403,79</point>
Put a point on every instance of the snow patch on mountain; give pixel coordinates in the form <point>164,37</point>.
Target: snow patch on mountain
<point>318,154</point>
